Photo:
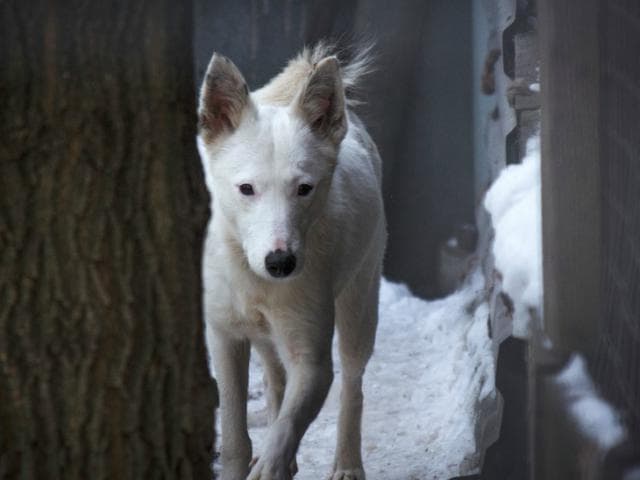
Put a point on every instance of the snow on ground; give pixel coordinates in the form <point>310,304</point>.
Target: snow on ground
<point>515,207</point>
<point>432,365</point>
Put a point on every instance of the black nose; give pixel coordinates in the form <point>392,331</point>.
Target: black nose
<point>280,263</point>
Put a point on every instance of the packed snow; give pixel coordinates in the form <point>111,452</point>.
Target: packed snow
<point>593,415</point>
<point>432,366</point>
<point>515,207</point>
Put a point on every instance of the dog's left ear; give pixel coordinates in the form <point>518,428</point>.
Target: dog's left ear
<point>224,98</point>
<point>321,102</point>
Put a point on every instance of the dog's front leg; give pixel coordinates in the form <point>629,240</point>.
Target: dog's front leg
<point>231,363</point>
<point>308,380</point>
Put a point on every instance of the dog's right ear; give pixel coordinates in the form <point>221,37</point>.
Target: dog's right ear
<point>224,97</point>
<point>321,101</point>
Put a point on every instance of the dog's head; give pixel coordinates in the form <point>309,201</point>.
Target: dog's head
<point>271,167</point>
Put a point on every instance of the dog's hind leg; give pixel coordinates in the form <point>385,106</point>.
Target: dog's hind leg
<point>231,362</point>
<point>356,321</point>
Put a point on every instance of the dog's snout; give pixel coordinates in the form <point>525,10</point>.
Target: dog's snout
<point>280,263</point>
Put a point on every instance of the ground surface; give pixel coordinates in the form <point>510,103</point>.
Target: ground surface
<point>431,367</point>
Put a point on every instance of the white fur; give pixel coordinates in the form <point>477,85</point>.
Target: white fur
<point>337,234</point>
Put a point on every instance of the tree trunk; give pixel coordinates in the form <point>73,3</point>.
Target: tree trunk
<point>103,369</point>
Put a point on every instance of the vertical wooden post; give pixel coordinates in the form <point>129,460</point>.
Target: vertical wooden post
<point>571,217</point>
<point>571,220</point>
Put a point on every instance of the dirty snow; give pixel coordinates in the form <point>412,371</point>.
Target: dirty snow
<point>432,366</point>
<point>593,415</point>
<point>514,204</point>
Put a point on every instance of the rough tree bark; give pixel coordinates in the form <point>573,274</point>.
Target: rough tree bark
<point>102,211</point>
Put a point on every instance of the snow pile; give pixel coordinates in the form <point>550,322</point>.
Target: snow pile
<point>514,204</point>
<point>594,416</point>
<point>433,365</point>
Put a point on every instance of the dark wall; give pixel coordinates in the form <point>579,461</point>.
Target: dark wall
<point>418,102</point>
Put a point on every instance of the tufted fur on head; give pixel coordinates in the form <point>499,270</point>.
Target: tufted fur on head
<point>282,89</point>
<point>315,79</point>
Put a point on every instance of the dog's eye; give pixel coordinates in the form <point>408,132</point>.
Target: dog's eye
<point>246,189</point>
<point>304,189</point>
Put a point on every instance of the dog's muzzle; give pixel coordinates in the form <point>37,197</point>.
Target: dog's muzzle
<point>280,263</point>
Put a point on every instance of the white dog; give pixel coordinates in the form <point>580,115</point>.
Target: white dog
<point>295,244</point>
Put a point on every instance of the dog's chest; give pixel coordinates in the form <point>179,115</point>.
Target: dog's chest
<point>251,312</point>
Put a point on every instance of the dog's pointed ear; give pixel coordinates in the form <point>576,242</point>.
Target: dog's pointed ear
<point>321,102</point>
<point>224,97</point>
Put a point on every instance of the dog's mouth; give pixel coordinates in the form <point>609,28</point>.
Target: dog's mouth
<point>277,266</point>
<point>280,274</point>
<point>280,263</point>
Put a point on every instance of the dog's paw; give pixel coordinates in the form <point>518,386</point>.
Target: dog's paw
<point>232,469</point>
<point>262,469</point>
<point>348,474</point>
<point>232,473</point>
<point>293,469</point>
